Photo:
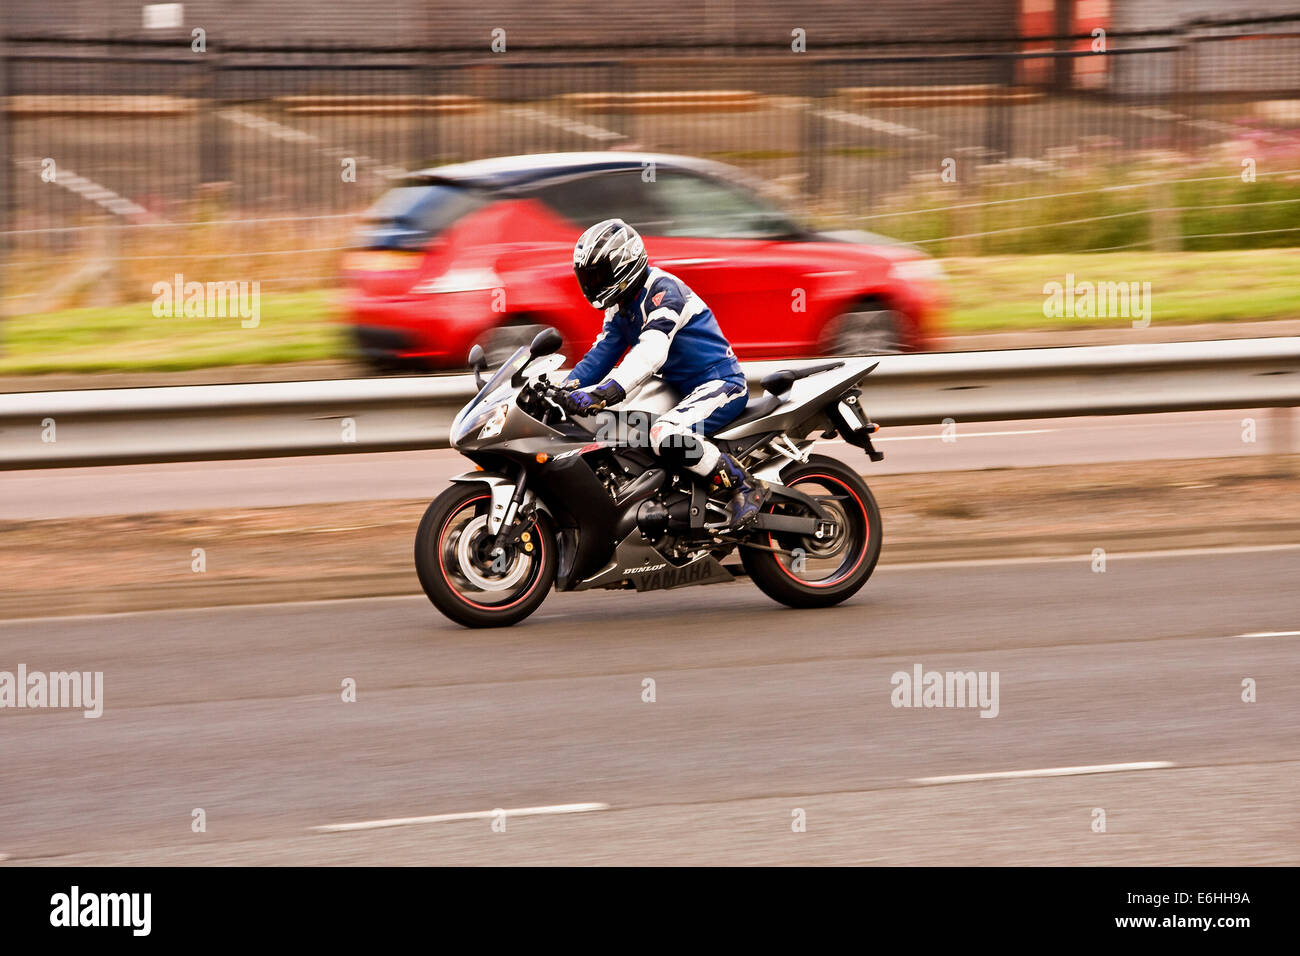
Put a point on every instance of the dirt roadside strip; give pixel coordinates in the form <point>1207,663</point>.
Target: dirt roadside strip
<point>313,552</point>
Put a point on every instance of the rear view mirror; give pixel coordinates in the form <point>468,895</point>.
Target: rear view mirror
<point>478,362</point>
<point>546,342</point>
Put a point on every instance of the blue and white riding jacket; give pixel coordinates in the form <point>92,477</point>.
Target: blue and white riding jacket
<point>666,330</point>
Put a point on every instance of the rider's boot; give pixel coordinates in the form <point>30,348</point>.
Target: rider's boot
<point>747,493</point>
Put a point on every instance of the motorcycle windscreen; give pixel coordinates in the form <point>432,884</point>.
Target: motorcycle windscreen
<point>499,381</point>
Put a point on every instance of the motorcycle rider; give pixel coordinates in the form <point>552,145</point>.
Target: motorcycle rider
<point>665,330</point>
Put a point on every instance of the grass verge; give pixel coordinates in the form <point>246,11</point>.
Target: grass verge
<point>1006,292</point>
<point>292,327</point>
<point>988,293</point>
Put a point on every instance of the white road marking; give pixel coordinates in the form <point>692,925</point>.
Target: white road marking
<point>89,190</point>
<point>269,127</point>
<point>568,125</point>
<point>474,815</point>
<point>1080,558</point>
<point>1028,162</point>
<point>1157,113</point>
<point>875,124</point>
<point>1271,634</point>
<point>1023,431</point>
<point>1048,772</point>
<point>1214,126</point>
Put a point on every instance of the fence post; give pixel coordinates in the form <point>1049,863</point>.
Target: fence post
<point>1182,96</point>
<point>1062,66</point>
<point>997,110</point>
<point>813,145</point>
<point>212,166</point>
<point>616,80</point>
<point>426,123</point>
<point>1166,224</point>
<point>6,157</point>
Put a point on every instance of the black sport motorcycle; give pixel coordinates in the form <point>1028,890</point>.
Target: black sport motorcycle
<point>583,502</point>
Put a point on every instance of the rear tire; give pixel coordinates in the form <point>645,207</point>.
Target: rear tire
<point>843,563</point>
<point>461,580</point>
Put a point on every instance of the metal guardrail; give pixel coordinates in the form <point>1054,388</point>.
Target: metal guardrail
<point>212,422</point>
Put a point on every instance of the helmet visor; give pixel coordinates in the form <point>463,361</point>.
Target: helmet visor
<point>596,280</point>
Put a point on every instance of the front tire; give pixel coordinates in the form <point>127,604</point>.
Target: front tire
<point>823,572</point>
<point>460,575</point>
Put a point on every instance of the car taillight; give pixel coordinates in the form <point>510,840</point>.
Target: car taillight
<point>382,260</point>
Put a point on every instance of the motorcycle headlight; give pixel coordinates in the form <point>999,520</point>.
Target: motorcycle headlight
<point>483,421</point>
<point>460,280</point>
<point>496,421</point>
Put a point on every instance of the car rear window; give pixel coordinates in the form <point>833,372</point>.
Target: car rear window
<point>674,203</point>
<point>412,214</point>
<point>697,206</point>
<point>584,200</point>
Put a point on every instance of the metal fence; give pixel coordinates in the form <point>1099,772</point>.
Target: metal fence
<point>124,151</point>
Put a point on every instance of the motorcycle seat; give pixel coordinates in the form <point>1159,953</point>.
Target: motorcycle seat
<point>757,408</point>
<point>778,383</point>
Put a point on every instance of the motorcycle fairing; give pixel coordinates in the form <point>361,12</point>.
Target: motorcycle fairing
<point>806,397</point>
<point>640,563</point>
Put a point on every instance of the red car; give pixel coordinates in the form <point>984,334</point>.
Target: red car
<point>482,252</point>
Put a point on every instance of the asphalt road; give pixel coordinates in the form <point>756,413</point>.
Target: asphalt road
<point>759,712</point>
<point>135,489</point>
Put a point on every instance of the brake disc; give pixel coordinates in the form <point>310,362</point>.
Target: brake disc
<point>474,570</point>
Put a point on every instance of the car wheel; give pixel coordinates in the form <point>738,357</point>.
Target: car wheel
<point>868,330</point>
<point>502,341</point>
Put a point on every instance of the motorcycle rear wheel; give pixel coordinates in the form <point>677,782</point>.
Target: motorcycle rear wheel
<point>820,573</point>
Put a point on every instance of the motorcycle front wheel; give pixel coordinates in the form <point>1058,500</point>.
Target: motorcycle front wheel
<point>462,573</point>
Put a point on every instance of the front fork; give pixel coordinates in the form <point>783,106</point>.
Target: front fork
<point>506,531</point>
<point>508,500</point>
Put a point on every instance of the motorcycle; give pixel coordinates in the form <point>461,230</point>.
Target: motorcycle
<point>581,502</point>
